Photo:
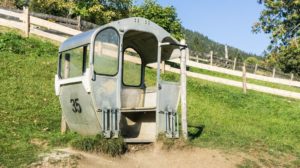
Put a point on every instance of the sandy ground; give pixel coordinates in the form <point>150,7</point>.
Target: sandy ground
<point>151,157</point>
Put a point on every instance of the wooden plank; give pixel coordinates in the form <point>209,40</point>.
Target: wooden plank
<point>239,73</point>
<point>10,13</point>
<point>53,26</point>
<point>228,82</point>
<point>48,35</point>
<point>12,24</point>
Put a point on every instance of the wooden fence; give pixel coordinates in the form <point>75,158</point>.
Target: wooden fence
<point>31,24</point>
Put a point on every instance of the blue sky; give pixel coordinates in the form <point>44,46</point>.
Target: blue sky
<point>225,21</point>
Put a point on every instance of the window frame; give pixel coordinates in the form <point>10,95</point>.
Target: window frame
<point>84,59</point>
<point>141,72</point>
<point>118,58</point>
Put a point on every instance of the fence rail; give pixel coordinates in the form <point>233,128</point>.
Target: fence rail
<point>237,65</point>
<point>38,26</point>
<point>28,23</point>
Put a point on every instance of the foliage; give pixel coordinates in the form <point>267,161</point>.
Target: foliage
<point>96,11</point>
<point>113,147</point>
<point>200,43</point>
<point>281,19</point>
<point>14,3</point>
<point>251,61</point>
<point>289,59</point>
<point>166,17</point>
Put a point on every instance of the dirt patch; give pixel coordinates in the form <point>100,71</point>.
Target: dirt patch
<point>58,158</point>
<point>154,155</point>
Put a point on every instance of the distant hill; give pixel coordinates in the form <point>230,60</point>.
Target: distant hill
<point>199,43</point>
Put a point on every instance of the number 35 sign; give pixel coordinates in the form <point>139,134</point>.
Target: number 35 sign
<point>76,105</point>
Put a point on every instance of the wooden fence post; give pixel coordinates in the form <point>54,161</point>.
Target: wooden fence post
<point>26,20</point>
<point>292,76</point>
<point>183,90</point>
<point>226,54</point>
<point>274,71</point>
<point>63,124</point>
<point>244,79</point>
<point>163,67</point>
<point>211,57</point>
<point>234,63</point>
<point>255,69</point>
<point>79,22</point>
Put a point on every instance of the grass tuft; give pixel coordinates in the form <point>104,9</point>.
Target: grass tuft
<point>99,144</point>
<point>169,143</point>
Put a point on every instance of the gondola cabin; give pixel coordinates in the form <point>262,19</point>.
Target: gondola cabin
<point>101,81</point>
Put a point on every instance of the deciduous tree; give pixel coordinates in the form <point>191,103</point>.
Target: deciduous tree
<point>166,17</point>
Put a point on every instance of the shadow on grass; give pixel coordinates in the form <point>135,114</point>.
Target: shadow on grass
<point>195,131</point>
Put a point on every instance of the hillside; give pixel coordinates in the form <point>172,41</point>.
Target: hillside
<point>262,126</point>
<point>200,43</point>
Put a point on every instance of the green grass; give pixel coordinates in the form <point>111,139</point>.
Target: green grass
<point>231,120</point>
<point>252,81</point>
<point>99,144</point>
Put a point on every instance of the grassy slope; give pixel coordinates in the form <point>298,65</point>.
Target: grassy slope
<point>30,112</point>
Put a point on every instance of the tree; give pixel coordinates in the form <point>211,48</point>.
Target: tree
<point>166,17</point>
<point>289,59</point>
<point>251,61</point>
<point>281,19</point>
<point>14,3</point>
<point>96,11</point>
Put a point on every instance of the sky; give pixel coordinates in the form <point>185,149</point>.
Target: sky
<point>224,21</point>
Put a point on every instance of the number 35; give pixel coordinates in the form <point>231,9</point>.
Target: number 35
<point>76,105</point>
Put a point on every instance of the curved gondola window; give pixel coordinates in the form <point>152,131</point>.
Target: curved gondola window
<point>73,62</point>
<point>106,52</point>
